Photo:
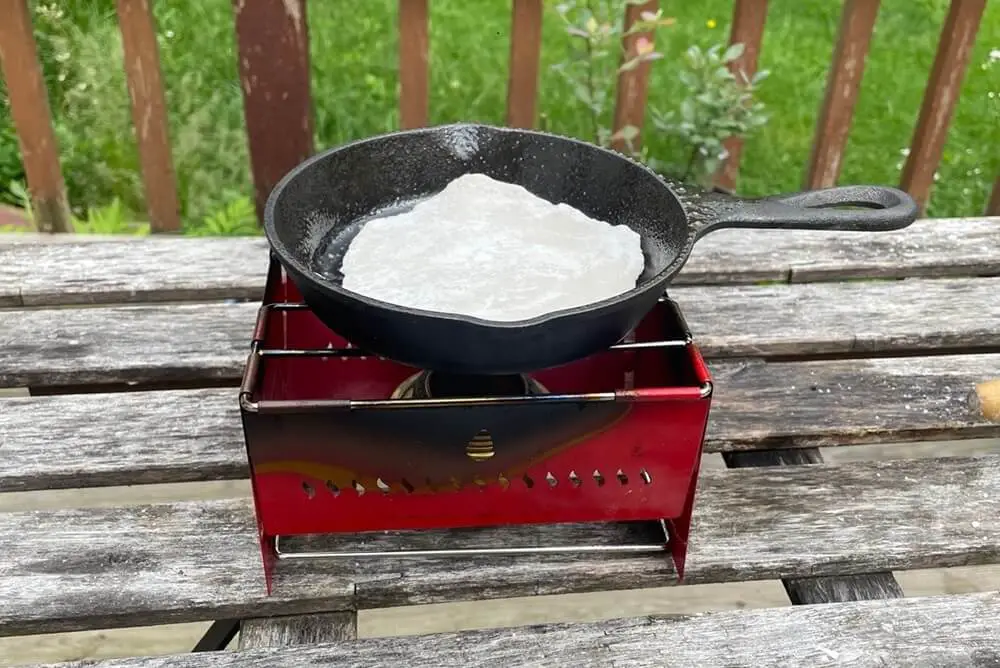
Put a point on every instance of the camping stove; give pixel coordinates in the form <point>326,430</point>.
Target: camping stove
<point>344,442</point>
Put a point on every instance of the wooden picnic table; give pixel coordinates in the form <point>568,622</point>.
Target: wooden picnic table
<point>132,349</point>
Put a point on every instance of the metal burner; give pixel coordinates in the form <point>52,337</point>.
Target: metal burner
<point>435,385</point>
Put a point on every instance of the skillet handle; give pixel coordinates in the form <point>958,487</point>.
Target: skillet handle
<point>882,209</point>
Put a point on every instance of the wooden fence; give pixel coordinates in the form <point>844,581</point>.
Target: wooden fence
<point>273,53</point>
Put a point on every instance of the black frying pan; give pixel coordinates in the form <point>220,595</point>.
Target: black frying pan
<point>314,212</point>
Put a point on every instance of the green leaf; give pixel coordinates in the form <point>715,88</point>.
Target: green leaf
<point>760,76</point>
<point>733,52</point>
<point>688,110</point>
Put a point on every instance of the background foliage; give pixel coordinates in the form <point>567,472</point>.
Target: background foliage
<point>353,50</point>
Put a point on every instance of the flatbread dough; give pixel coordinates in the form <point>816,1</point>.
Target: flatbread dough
<point>492,250</point>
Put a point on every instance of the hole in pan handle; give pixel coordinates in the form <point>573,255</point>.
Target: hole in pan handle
<point>846,208</point>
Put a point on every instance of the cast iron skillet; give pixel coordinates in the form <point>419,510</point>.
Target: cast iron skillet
<point>313,213</point>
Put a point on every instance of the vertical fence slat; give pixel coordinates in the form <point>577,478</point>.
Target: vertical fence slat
<point>273,51</point>
<point>414,76</point>
<point>149,113</point>
<point>630,94</point>
<point>857,21</point>
<point>748,29</point>
<point>29,106</point>
<point>525,53</point>
<point>993,207</point>
<point>940,97</point>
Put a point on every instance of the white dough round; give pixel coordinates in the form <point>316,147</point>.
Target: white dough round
<point>491,250</point>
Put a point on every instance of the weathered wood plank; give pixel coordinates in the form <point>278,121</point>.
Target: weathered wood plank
<point>194,342</point>
<point>525,54</point>
<point>632,86</point>
<point>90,440</point>
<point>198,560</point>
<point>940,97</point>
<point>299,630</point>
<point>857,23</point>
<point>919,632</point>
<point>749,17</point>
<point>125,270</point>
<point>29,108</point>
<point>272,37</point>
<point>837,589</point>
<point>155,269</point>
<point>414,73</point>
<point>149,113</point>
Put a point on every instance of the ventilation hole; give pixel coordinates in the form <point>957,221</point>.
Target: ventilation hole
<point>333,488</point>
<point>382,486</point>
<point>622,478</point>
<point>504,482</point>
<point>598,478</point>
<point>528,482</point>
<point>308,489</point>
<point>430,484</point>
<point>551,479</point>
<point>574,479</point>
<point>479,483</point>
<point>358,487</point>
<point>456,483</point>
<point>646,478</point>
<point>406,485</point>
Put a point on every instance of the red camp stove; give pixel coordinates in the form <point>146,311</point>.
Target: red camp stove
<point>344,442</point>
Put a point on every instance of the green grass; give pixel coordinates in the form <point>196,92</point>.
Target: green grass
<point>355,82</point>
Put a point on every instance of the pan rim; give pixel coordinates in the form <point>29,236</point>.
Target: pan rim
<point>289,259</point>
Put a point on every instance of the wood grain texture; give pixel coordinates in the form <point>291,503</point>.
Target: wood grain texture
<point>272,38</point>
<point>149,113</point>
<point>632,87</point>
<point>299,630</point>
<point>140,343</point>
<point>195,342</point>
<point>749,17</point>
<point>199,560</point>
<point>940,97</point>
<point>37,272</point>
<point>837,589</point>
<point>525,54</point>
<point>29,110</point>
<point>185,435</point>
<point>923,632</point>
<point>857,23</point>
<point>414,63</point>
<point>134,270</point>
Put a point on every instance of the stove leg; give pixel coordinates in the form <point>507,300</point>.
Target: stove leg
<point>218,636</point>
<point>299,630</point>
